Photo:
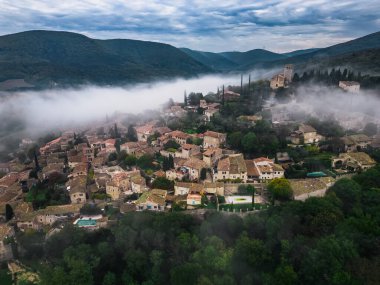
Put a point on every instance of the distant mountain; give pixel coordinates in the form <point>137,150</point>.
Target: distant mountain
<point>335,54</point>
<point>229,61</point>
<point>301,51</point>
<point>68,58</point>
<point>256,55</point>
<point>42,58</point>
<point>365,61</point>
<point>216,61</point>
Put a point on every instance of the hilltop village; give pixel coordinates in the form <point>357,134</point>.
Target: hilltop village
<point>233,151</point>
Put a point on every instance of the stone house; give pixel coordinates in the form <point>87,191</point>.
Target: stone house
<point>213,139</point>
<point>212,155</point>
<point>232,167</point>
<point>353,161</point>
<point>153,200</point>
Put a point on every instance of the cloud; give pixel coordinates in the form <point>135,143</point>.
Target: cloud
<point>204,25</point>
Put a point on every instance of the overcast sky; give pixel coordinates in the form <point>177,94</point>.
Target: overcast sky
<point>211,25</point>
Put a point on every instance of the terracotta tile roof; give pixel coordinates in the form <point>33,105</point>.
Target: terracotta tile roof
<point>159,192</point>
<point>251,168</point>
<point>213,184</point>
<point>9,179</point>
<point>277,167</point>
<point>359,138</point>
<point>224,164</point>
<point>80,168</point>
<point>110,142</point>
<point>183,184</point>
<point>193,196</point>
<point>178,134</point>
<point>234,163</point>
<point>162,130</point>
<point>195,163</point>
<point>306,128</point>
<point>263,159</point>
<point>303,186</point>
<point>362,158</point>
<point>5,231</point>
<point>144,129</point>
<point>151,197</point>
<point>213,134</point>
<point>60,209</point>
<point>56,167</point>
<point>138,180</point>
<point>265,168</point>
<point>189,146</point>
<point>210,151</point>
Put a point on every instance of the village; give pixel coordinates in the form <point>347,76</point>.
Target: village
<point>89,178</point>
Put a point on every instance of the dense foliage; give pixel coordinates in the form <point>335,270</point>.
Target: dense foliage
<point>330,240</point>
<point>71,59</point>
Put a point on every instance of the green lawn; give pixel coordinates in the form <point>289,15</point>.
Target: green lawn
<point>243,207</point>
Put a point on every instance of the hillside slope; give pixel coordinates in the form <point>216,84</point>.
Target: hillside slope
<point>69,58</point>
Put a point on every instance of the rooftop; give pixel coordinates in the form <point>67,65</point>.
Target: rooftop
<point>362,158</point>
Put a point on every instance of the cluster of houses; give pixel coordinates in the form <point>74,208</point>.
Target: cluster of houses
<point>202,169</point>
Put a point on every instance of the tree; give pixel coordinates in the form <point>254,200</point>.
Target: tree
<point>109,279</point>
<point>203,175</point>
<point>8,212</point>
<point>89,209</point>
<point>117,134</point>
<point>163,183</point>
<point>36,164</point>
<point>112,156</point>
<point>171,162</point>
<point>349,192</point>
<point>251,190</point>
<point>370,129</point>
<point>235,139</point>
<point>172,144</point>
<point>280,189</point>
<point>130,160</point>
<point>131,134</point>
<point>145,162</point>
<point>249,142</point>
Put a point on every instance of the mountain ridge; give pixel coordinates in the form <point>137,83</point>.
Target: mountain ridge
<point>41,57</point>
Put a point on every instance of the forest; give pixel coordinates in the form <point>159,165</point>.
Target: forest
<point>329,240</point>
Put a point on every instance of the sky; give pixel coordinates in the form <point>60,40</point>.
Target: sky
<point>208,25</point>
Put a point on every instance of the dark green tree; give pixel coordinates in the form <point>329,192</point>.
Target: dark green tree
<point>8,212</point>
<point>280,189</point>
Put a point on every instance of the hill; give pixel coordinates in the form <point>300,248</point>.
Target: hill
<point>41,58</point>
<point>230,61</point>
<point>68,58</point>
<point>357,52</point>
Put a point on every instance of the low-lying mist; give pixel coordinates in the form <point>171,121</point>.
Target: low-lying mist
<point>351,110</point>
<point>32,113</point>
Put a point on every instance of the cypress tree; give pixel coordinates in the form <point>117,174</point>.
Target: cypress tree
<point>249,84</point>
<point>185,99</point>
<point>8,212</point>
<point>171,161</point>
<point>36,164</point>
<point>223,96</point>
<point>116,132</point>
<point>241,85</point>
